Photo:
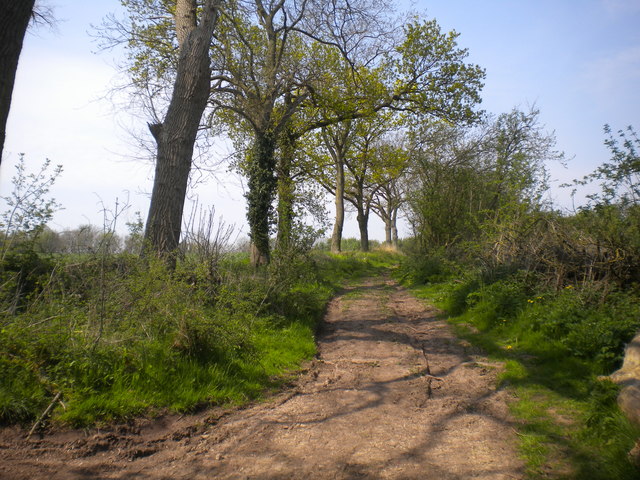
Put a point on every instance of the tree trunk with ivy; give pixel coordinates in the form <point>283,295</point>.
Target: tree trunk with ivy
<point>262,185</point>
<point>286,192</point>
<point>176,135</point>
<point>13,26</point>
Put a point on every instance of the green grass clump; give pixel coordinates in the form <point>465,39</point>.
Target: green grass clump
<point>352,265</point>
<point>348,245</point>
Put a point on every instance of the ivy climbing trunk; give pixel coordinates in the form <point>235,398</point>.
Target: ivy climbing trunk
<point>13,25</point>
<point>262,188</point>
<point>176,135</point>
<point>286,192</point>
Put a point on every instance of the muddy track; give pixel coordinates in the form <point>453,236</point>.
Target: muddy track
<point>392,394</point>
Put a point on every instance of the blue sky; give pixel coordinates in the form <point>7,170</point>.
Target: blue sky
<point>577,61</point>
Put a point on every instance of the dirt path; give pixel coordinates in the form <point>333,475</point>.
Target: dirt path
<point>366,408</point>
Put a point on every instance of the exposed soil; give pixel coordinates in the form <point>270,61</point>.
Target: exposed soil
<point>392,394</point>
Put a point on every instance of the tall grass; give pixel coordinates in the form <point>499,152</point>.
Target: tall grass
<point>120,337</point>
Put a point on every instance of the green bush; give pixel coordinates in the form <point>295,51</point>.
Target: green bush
<point>421,269</point>
<point>584,325</point>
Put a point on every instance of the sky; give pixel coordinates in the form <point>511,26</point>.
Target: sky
<point>577,61</point>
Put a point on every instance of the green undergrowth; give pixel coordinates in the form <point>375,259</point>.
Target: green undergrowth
<point>349,266</point>
<point>119,337</point>
<point>556,344</point>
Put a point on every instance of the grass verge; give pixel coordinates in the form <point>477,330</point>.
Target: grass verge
<point>554,346</point>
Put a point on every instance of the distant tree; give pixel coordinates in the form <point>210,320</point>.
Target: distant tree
<point>487,179</point>
<point>520,150</point>
<point>424,77</point>
<point>345,96</point>
<point>83,239</point>
<point>14,19</point>
<point>49,241</point>
<point>448,173</point>
<point>362,179</point>
<point>388,198</point>
<point>353,165</point>
<point>338,141</point>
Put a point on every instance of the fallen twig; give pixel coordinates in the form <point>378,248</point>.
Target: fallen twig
<point>45,413</point>
<point>428,376</point>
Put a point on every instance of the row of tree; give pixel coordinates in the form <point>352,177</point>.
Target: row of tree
<point>378,112</point>
<point>305,89</point>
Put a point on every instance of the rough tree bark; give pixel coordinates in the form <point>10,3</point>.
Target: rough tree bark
<point>394,230</point>
<point>176,135</point>
<point>337,140</point>
<point>13,26</point>
<point>363,225</point>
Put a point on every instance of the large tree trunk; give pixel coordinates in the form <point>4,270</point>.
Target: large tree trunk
<point>176,136</point>
<point>363,225</point>
<point>262,185</point>
<point>336,237</point>
<point>14,20</point>
<point>388,227</point>
<point>186,19</point>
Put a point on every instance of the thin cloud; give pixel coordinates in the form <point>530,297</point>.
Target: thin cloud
<point>606,75</point>
<point>621,7</point>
